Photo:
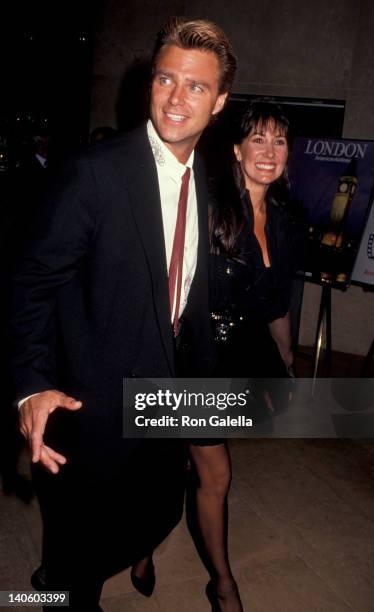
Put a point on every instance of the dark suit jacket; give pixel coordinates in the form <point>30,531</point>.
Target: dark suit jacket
<point>91,307</point>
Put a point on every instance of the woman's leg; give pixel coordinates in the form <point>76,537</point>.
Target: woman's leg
<point>213,468</point>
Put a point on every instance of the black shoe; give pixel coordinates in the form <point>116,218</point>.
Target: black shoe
<point>38,579</point>
<point>144,585</point>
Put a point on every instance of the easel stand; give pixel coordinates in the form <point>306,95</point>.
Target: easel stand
<point>324,319</point>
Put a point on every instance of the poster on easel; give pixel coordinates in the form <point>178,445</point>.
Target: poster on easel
<point>363,271</point>
<point>332,182</point>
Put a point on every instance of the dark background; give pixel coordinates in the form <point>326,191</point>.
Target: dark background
<point>45,69</point>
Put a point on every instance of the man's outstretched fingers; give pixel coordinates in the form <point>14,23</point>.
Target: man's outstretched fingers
<point>69,402</point>
<point>49,460</point>
<point>34,414</point>
<point>61,459</point>
<point>39,420</point>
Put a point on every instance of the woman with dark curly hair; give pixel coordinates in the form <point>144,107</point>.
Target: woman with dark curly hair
<point>252,236</point>
<point>250,277</point>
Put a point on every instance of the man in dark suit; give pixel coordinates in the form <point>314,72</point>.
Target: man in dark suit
<point>93,305</point>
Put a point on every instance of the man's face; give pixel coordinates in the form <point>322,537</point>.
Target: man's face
<point>184,96</point>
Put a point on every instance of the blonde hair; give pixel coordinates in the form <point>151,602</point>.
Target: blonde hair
<point>203,35</point>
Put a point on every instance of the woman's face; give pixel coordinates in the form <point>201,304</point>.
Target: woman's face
<point>262,155</point>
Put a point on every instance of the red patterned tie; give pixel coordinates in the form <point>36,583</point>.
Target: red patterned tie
<point>176,261</point>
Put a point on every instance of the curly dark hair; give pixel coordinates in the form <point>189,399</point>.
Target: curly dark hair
<point>230,215</point>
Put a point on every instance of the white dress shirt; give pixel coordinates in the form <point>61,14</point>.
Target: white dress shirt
<point>43,161</point>
<point>170,172</point>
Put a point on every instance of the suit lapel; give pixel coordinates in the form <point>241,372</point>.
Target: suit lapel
<point>146,208</point>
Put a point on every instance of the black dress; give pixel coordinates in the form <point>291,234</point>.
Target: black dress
<point>245,296</point>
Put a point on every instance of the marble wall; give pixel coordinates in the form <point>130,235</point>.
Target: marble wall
<point>319,48</point>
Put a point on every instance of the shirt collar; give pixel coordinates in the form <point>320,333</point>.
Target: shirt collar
<point>164,158</point>
<point>42,160</point>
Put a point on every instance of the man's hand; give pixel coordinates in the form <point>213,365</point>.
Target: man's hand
<point>33,416</point>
